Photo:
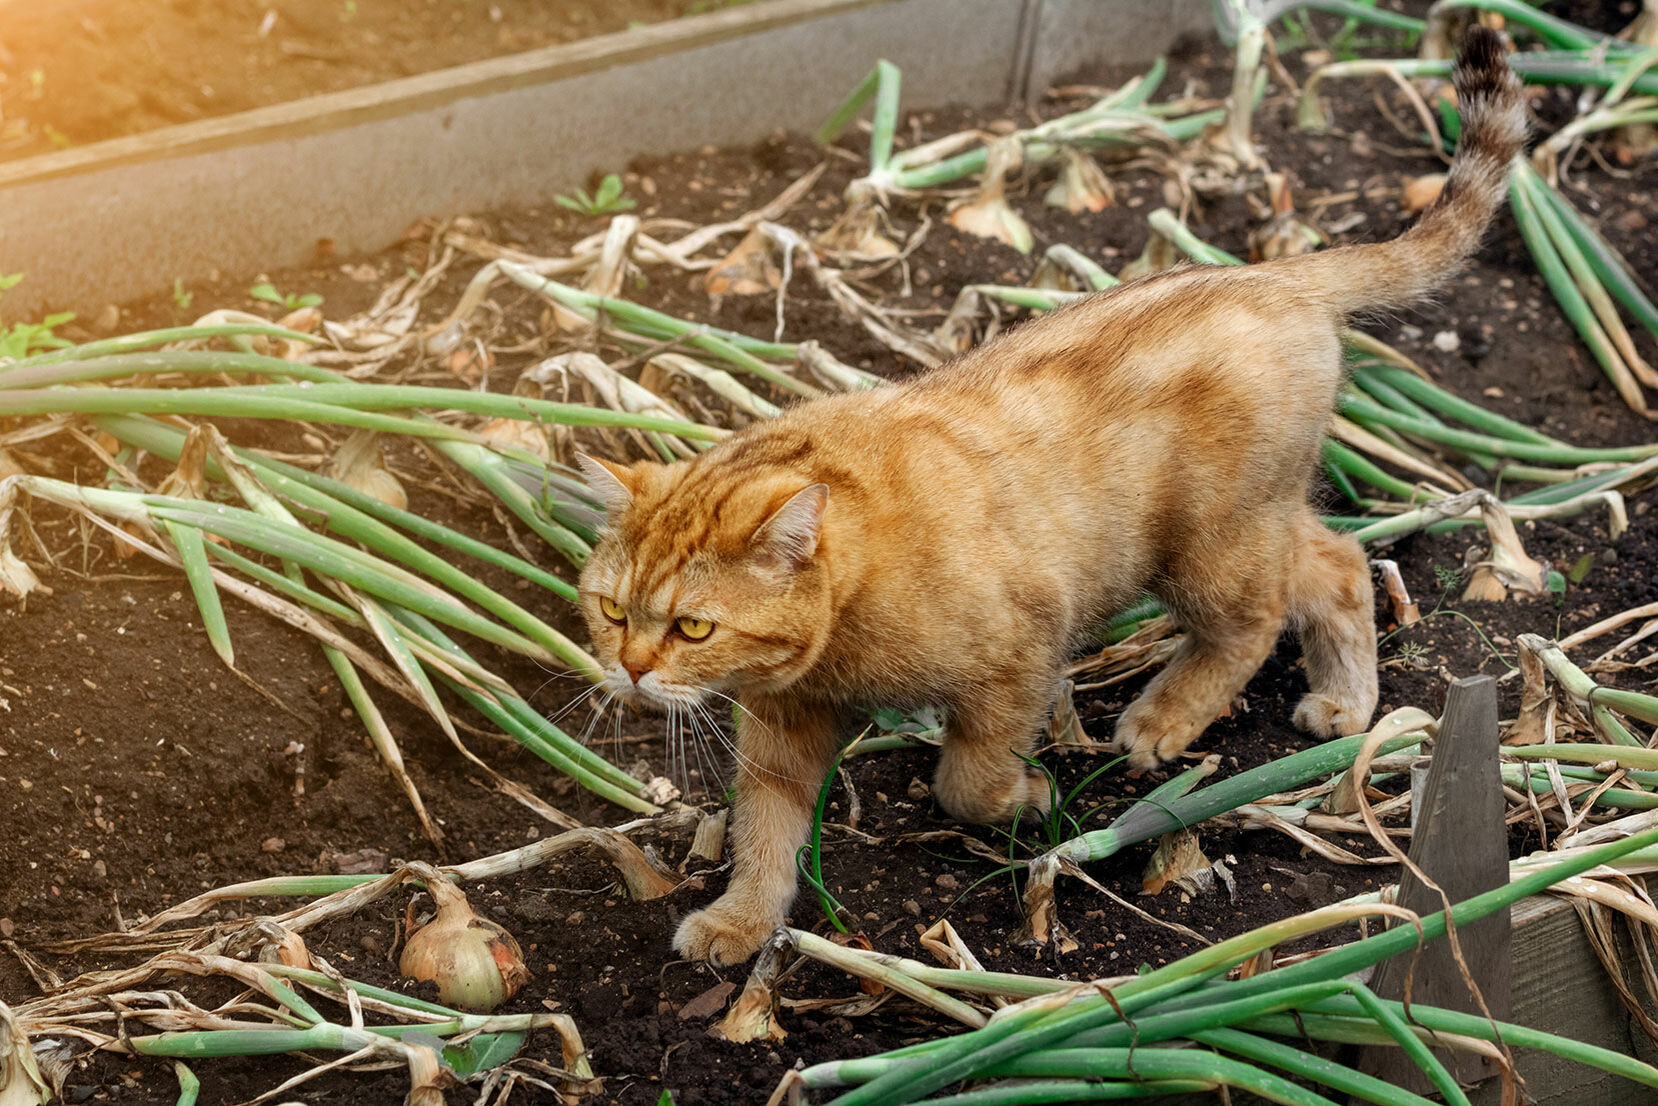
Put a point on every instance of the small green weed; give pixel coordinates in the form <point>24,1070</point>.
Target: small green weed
<point>606,198</point>
<point>290,302</point>
<point>21,339</point>
<point>1411,653</point>
<point>809,857</point>
<point>182,298</point>
<point>1059,824</point>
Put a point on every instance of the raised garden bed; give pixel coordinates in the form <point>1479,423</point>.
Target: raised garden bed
<point>138,771</point>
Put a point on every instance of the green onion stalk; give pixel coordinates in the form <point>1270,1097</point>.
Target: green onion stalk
<point>655,327</point>
<point>407,597</point>
<point>362,518</point>
<point>149,339</point>
<point>417,604</point>
<point>534,731</point>
<point>346,404</point>
<point>1554,31</point>
<point>1601,701</point>
<point>326,556</point>
<point>1174,810</point>
<point>1122,117</point>
<point>1572,279</point>
<point>1616,798</point>
<point>361,405</point>
<point>337,506</point>
<point>1146,820</point>
<point>1546,67</point>
<point>324,397</point>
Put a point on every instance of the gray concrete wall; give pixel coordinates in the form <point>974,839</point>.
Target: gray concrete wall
<point>256,191</point>
<point>1070,34</point>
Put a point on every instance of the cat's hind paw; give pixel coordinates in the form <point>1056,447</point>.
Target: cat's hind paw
<point>723,934</point>
<point>1325,717</point>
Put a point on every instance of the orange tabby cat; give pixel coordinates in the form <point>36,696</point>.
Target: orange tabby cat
<point>948,541</point>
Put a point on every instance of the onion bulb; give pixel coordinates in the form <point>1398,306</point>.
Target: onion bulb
<point>988,213</point>
<point>476,964</point>
<point>21,1083</point>
<point>357,464</point>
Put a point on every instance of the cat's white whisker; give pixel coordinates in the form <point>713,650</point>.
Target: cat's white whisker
<point>753,766</point>
<point>593,721</point>
<point>584,697</point>
<point>699,741</point>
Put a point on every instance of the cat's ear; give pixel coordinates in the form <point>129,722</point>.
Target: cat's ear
<point>790,535</point>
<point>612,483</point>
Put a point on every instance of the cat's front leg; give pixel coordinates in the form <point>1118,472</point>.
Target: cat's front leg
<point>783,751</point>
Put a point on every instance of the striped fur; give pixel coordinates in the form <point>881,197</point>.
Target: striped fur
<point>948,542</point>
<point>1391,274</point>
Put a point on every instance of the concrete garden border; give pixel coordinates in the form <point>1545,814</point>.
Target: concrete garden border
<point>259,189</point>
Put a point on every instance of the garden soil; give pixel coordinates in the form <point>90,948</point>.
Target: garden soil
<point>136,770</point>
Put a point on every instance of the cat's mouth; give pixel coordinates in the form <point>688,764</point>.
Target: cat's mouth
<point>652,691</point>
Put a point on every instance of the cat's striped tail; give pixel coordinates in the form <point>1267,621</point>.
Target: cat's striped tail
<point>1389,274</point>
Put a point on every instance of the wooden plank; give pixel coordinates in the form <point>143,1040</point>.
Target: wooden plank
<point>1461,844</point>
<point>1561,987</point>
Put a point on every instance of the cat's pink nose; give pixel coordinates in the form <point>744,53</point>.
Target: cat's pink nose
<point>636,669</point>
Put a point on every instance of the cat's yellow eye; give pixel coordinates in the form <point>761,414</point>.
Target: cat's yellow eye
<point>612,609</point>
<point>694,628</point>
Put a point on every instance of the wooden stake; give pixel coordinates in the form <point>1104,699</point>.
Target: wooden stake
<point>1461,843</point>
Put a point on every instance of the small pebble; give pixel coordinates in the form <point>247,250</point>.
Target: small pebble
<point>918,791</point>
<point>1446,341</point>
<point>272,845</point>
<point>947,882</point>
<point>912,908</point>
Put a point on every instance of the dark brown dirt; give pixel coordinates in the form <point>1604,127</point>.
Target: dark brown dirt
<point>79,71</point>
<point>136,771</point>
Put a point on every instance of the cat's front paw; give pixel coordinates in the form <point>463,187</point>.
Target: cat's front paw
<point>725,933</point>
<point>1145,743</point>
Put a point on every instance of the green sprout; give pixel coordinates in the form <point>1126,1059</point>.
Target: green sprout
<point>605,200</point>
<point>267,291</point>
<point>19,340</point>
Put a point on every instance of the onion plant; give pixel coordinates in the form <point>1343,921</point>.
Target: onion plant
<point>370,571</point>
<point>281,1012</point>
<point>1124,119</point>
<point>1189,1022</point>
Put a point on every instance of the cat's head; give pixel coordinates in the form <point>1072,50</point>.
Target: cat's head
<point>706,579</point>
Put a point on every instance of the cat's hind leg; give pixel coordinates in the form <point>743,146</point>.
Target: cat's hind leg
<point>1331,606</point>
<point>1230,600</point>
<point>981,777</point>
